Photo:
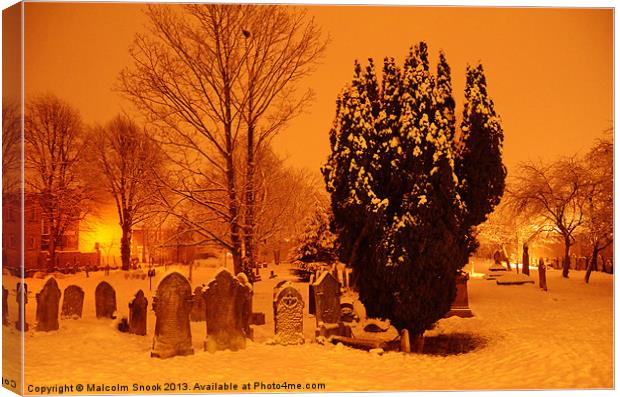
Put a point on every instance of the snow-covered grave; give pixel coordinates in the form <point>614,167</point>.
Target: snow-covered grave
<point>525,338</point>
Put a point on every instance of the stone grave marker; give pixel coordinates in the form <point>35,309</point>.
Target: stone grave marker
<point>327,301</point>
<point>21,296</point>
<point>137,314</point>
<point>105,300</point>
<point>199,307</point>
<point>72,302</point>
<point>172,305</point>
<point>227,301</point>
<point>246,311</point>
<point>460,305</point>
<point>542,275</point>
<point>311,303</point>
<point>5,306</point>
<point>288,315</point>
<point>47,306</point>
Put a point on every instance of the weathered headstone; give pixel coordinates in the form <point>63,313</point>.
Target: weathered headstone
<point>21,292</point>
<point>542,275</point>
<point>172,306</point>
<point>105,300</point>
<point>460,305</point>
<point>327,300</point>
<point>227,302</point>
<point>405,343</point>
<point>526,259</point>
<point>199,307</point>
<point>289,315</point>
<point>137,314</point>
<point>5,306</point>
<point>311,303</point>
<point>47,306</point>
<point>72,302</point>
<point>246,311</point>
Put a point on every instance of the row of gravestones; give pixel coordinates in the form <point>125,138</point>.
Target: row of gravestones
<point>48,300</point>
<point>226,303</point>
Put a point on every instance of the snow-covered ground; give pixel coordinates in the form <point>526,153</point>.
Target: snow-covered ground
<point>562,338</point>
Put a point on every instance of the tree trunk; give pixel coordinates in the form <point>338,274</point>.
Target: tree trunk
<point>566,264</point>
<point>249,202</point>
<point>126,249</point>
<point>126,240</point>
<point>592,263</point>
<point>526,260</point>
<point>52,251</point>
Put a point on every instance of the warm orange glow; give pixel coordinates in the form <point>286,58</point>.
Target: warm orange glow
<point>102,228</point>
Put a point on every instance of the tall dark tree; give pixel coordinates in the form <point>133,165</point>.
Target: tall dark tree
<point>443,94</point>
<point>396,195</point>
<point>478,162</point>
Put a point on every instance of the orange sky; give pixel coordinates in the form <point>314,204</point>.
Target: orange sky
<point>550,71</point>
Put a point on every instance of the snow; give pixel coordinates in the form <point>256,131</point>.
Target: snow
<point>533,339</point>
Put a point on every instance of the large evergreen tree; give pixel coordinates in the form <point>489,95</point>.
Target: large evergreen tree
<point>397,210</point>
<point>478,164</point>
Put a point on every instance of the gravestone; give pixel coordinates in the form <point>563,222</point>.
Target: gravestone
<point>327,301</point>
<point>5,306</point>
<point>311,303</point>
<point>199,306</point>
<point>460,305</point>
<point>21,292</point>
<point>47,306</point>
<point>246,311</point>
<point>105,300</point>
<point>288,315</point>
<point>526,260</point>
<point>497,258</point>
<point>227,301</point>
<point>542,275</point>
<point>72,302</point>
<point>137,314</point>
<point>172,306</point>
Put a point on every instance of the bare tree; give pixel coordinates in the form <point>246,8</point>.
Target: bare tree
<point>554,192</point>
<point>282,47</point>
<point>599,207</point>
<point>182,79</point>
<point>54,171</point>
<point>11,147</point>
<point>129,161</point>
<point>191,78</point>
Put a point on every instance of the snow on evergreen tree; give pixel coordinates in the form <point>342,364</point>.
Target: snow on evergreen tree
<point>479,165</point>
<point>318,242</point>
<point>443,94</point>
<point>409,220</point>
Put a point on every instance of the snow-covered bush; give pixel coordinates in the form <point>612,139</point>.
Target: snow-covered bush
<point>317,244</point>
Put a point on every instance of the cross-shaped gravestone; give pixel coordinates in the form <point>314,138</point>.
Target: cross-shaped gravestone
<point>72,302</point>
<point>172,306</point>
<point>137,314</point>
<point>289,315</point>
<point>47,306</point>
